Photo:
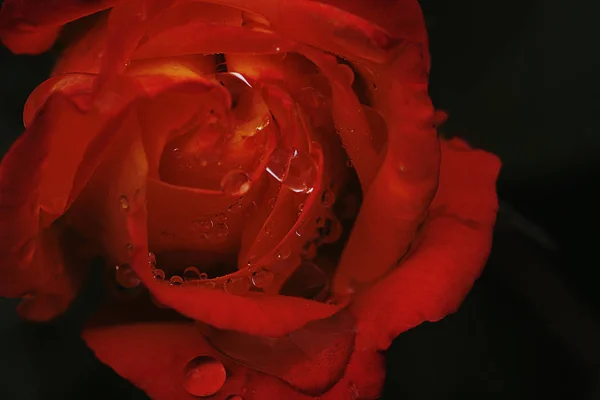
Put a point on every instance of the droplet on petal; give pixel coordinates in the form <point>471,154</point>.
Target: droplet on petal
<point>177,152</point>
<point>262,278</point>
<point>327,198</point>
<point>126,277</point>
<point>204,376</point>
<point>236,183</point>
<point>159,274</point>
<point>124,202</point>
<point>237,285</point>
<point>220,218</point>
<point>191,273</point>
<point>284,252</point>
<point>152,259</point>
<point>302,173</point>
<point>176,280</point>
<point>203,276</point>
<point>220,231</point>
<point>203,225</point>
<point>309,251</point>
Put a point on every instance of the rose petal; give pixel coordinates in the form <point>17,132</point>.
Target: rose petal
<point>32,261</point>
<point>207,38</point>
<point>401,18</point>
<point>324,27</point>
<point>312,359</point>
<point>453,248</point>
<point>160,372</point>
<point>396,202</point>
<point>84,55</point>
<point>30,27</point>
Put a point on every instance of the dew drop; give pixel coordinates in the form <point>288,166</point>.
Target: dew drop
<point>263,124</point>
<point>284,253</point>
<point>294,168</point>
<point>124,202</point>
<point>220,218</point>
<point>177,152</point>
<point>203,276</point>
<point>272,202</point>
<point>152,259</point>
<point>203,225</point>
<point>235,208</point>
<point>237,285</point>
<point>220,231</point>
<point>327,198</point>
<point>176,280</point>
<point>262,278</point>
<point>159,274</point>
<point>309,251</point>
<point>126,277</point>
<point>191,273</point>
<point>236,183</point>
<point>204,376</point>
<point>270,228</point>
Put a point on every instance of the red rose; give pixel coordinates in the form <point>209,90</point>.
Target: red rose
<point>270,170</point>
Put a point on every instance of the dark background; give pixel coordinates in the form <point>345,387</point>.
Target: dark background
<point>517,78</point>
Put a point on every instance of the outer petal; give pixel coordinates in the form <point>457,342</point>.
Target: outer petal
<point>132,351</point>
<point>454,246</point>
<point>30,26</point>
<point>32,262</point>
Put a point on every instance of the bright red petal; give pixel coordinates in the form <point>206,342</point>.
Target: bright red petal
<point>454,246</point>
<point>30,27</point>
<point>154,356</point>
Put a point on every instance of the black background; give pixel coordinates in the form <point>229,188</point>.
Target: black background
<point>517,78</point>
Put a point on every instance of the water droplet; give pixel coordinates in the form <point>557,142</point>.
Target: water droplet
<point>220,231</point>
<point>152,259</point>
<point>331,231</point>
<point>204,376</point>
<point>236,183</point>
<point>177,152</point>
<point>203,276</point>
<point>277,48</point>
<point>126,277</point>
<point>272,202</point>
<point>220,218</point>
<point>294,168</point>
<point>262,278</point>
<point>191,273</point>
<point>237,285</point>
<point>124,202</point>
<point>270,228</point>
<point>309,251</point>
<point>263,124</point>
<point>327,198</point>
<point>284,252</point>
<point>159,274</point>
<point>176,280</point>
<point>203,225</point>
<point>235,208</point>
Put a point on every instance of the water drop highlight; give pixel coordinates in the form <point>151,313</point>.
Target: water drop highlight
<point>204,376</point>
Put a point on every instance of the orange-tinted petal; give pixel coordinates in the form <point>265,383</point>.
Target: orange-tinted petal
<point>453,248</point>
<point>30,27</point>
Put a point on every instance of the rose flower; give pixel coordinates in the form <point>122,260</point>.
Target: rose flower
<point>262,181</point>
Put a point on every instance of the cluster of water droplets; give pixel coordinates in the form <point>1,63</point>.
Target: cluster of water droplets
<point>294,168</point>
